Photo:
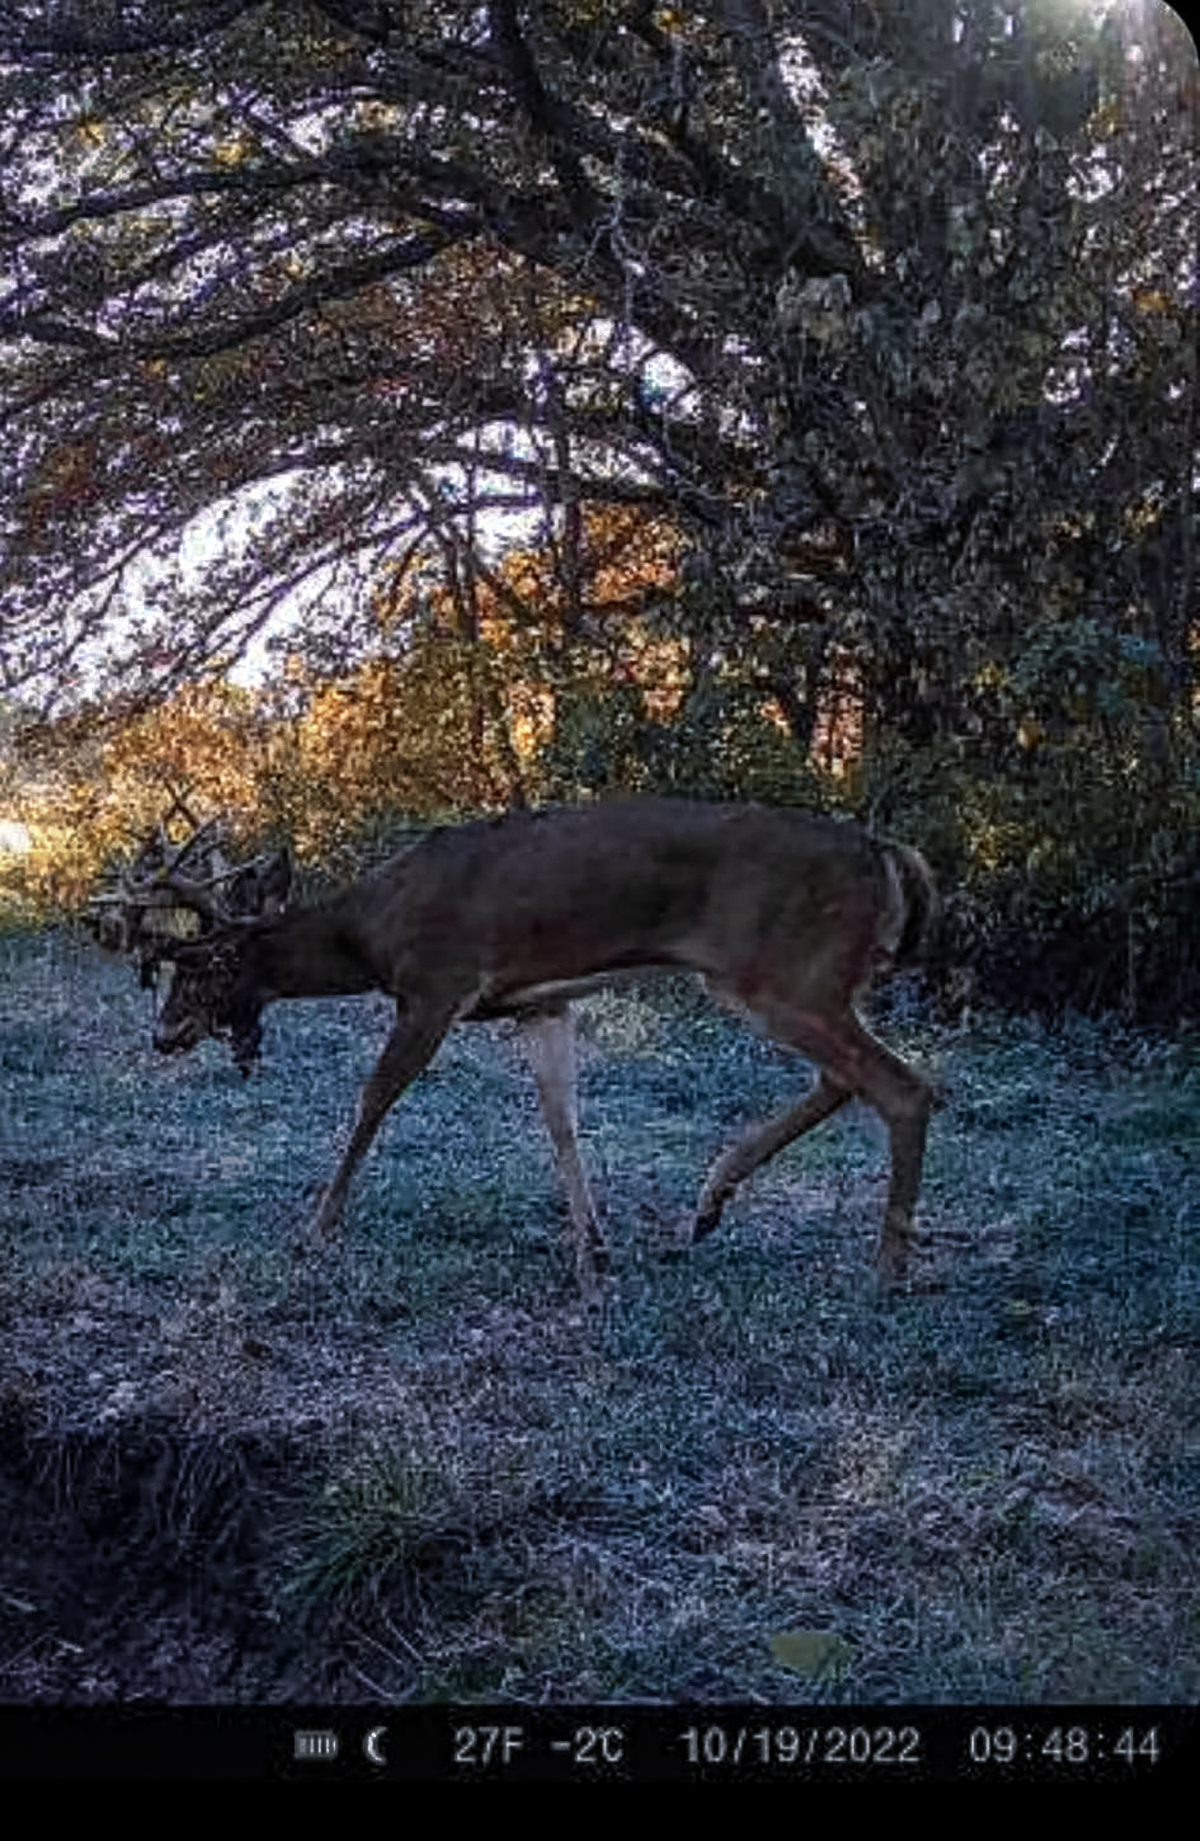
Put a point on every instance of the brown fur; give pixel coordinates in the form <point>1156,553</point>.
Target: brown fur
<point>783,913</point>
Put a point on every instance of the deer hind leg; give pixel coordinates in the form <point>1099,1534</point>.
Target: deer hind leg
<point>857,1064</point>
<point>549,1039</point>
<point>409,1048</point>
<point>758,1144</point>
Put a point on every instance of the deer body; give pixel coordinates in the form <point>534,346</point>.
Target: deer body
<point>734,892</point>
<point>783,914</point>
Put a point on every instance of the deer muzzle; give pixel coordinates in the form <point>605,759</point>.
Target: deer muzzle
<point>176,1036</point>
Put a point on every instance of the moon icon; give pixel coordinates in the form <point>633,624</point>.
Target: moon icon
<point>371,1745</point>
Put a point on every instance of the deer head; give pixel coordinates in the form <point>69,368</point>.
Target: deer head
<point>229,902</point>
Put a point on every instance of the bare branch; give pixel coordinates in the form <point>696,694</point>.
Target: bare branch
<point>118,37</point>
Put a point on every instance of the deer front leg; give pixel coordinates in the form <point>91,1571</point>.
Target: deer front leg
<point>550,1043</point>
<point>409,1048</point>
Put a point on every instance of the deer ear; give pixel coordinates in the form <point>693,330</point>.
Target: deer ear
<point>262,888</point>
<point>275,882</point>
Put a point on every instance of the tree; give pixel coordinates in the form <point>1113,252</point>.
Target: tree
<point>890,312</point>
<point>372,274</point>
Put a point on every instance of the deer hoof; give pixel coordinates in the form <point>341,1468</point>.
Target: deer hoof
<point>597,1288</point>
<point>704,1221</point>
<point>893,1262</point>
<point>674,1241</point>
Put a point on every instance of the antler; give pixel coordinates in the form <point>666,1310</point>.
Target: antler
<point>152,884</point>
<point>149,882</point>
<point>227,898</point>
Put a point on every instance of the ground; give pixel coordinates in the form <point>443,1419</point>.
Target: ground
<point>415,1467</point>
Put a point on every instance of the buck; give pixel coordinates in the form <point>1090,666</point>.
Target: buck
<point>784,915</point>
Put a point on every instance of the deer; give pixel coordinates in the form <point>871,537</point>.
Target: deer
<point>786,916</point>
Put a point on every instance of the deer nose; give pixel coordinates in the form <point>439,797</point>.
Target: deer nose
<point>174,1039</point>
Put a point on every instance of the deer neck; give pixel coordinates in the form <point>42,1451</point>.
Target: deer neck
<point>308,953</point>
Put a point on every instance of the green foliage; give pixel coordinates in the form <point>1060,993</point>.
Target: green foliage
<point>1072,877</point>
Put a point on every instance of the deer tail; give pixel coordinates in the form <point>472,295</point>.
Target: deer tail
<point>920,902</point>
